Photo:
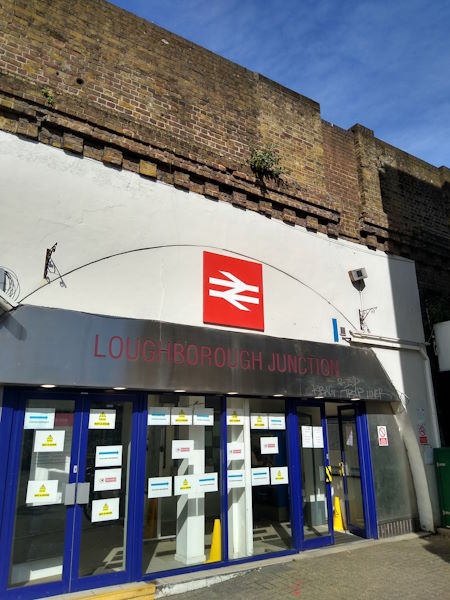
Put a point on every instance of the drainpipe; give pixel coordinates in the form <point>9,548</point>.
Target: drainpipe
<point>404,422</point>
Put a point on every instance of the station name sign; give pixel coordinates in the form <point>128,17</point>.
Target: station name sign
<point>68,348</point>
<point>207,356</point>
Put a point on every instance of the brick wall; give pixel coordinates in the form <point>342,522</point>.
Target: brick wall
<point>103,83</point>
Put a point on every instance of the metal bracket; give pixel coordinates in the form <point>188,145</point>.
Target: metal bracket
<point>83,490</point>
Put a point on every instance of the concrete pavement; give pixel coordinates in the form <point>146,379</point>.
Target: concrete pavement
<point>414,568</point>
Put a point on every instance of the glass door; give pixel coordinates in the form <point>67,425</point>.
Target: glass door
<point>315,477</point>
<point>351,471</point>
<point>70,490</point>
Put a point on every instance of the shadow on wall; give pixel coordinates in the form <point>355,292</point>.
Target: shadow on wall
<point>416,208</point>
<point>418,212</point>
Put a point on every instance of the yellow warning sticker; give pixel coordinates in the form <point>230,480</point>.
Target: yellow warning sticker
<point>329,477</point>
<point>42,493</point>
<point>105,511</point>
<point>102,418</point>
<point>49,442</point>
<point>235,416</point>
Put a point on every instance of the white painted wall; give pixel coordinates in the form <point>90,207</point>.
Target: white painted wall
<point>442,336</point>
<point>94,212</point>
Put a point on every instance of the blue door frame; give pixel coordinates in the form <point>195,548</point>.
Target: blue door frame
<point>14,403</point>
<point>11,428</point>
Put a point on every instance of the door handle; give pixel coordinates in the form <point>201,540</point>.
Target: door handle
<point>83,490</point>
<point>69,494</point>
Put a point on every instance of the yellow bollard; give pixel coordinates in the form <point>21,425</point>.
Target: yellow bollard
<point>215,554</point>
<point>338,524</point>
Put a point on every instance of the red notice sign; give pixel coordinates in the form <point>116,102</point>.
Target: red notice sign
<point>232,292</point>
<point>382,435</point>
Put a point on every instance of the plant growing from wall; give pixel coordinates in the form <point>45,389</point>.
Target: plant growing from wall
<point>265,162</point>
<point>48,95</point>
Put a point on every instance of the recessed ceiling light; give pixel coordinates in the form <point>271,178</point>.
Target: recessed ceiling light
<point>179,391</point>
<point>48,385</point>
<point>119,388</point>
<point>318,397</point>
<point>278,395</point>
<point>232,393</point>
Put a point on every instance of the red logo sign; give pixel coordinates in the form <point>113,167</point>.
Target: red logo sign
<point>232,292</point>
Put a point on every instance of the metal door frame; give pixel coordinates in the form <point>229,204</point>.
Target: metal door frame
<point>14,401</point>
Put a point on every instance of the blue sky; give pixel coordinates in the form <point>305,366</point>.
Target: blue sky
<point>382,63</point>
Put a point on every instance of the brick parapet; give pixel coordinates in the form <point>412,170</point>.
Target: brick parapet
<point>112,87</point>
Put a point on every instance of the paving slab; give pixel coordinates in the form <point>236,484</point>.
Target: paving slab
<point>413,568</point>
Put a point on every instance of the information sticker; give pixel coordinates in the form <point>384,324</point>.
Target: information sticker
<point>382,435</point>
<point>182,448</point>
<point>235,416</point>
<point>278,475</point>
<point>159,487</point>
<point>259,421</point>
<point>42,492</point>
<point>107,479</point>
<point>158,415</point>
<point>181,415</point>
<point>203,416</point>
<point>49,441</point>
<point>235,451</point>
<point>269,445</point>
<point>318,437</point>
<point>207,482</point>
<point>277,421</point>
<point>39,418</point>
<point>307,436</point>
<point>108,456</point>
<point>185,484</point>
<point>236,479</point>
<point>102,418</point>
<point>105,510</point>
<point>260,476</point>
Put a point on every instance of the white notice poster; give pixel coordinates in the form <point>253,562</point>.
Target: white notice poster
<point>278,475</point>
<point>260,476</point>
<point>159,487</point>
<point>107,479</point>
<point>207,482</point>
<point>307,436</point>
<point>105,510</point>
<point>49,441</point>
<point>203,416</point>
<point>318,437</point>
<point>39,418</point>
<point>184,484</point>
<point>269,445</point>
<point>42,492</point>
<point>235,416</point>
<point>181,415</point>
<point>102,418</point>
<point>235,479</point>
<point>108,456</point>
<point>259,421</point>
<point>235,451</point>
<point>158,415</point>
<point>182,448</point>
<point>277,421</point>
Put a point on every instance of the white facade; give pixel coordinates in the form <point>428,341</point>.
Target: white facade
<point>132,247</point>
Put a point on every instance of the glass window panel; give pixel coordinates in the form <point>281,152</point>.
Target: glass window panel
<point>104,518</point>
<point>312,459</point>
<point>40,515</point>
<point>182,500</point>
<point>258,510</point>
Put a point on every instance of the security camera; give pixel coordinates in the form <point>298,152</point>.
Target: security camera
<point>358,274</point>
